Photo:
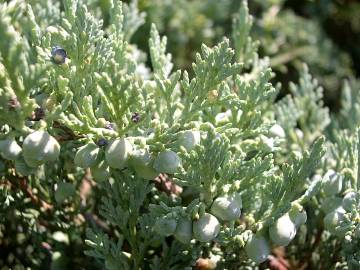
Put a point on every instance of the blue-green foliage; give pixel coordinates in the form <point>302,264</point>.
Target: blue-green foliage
<point>105,103</point>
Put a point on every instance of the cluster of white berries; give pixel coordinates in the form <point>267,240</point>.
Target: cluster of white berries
<point>281,233</point>
<point>206,227</point>
<point>121,153</point>
<point>37,148</point>
<point>335,207</point>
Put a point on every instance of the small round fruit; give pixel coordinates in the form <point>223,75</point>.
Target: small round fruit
<point>87,155</point>
<point>40,147</point>
<point>351,201</point>
<point>206,228</point>
<point>257,248</point>
<point>167,162</point>
<point>9,149</point>
<point>100,171</point>
<point>183,232</point>
<point>142,163</point>
<point>334,219</point>
<point>299,133</point>
<point>135,117</point>
<point>227,208</point>
<point>298,217</point>
<point>102,142</point>
<point>223,118</point>
<point>332,183</point>
<point>189,139</point>
<point>283,231</point>
<point>118,152</point>
<point>165,226</point>
<point>58,55</point>
<point>330,204</point>
<point>268,143</point>
<point>277,131</point>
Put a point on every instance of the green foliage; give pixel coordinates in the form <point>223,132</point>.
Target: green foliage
<point>108,163</point>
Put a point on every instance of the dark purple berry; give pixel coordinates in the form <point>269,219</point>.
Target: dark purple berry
<point>58,55</point>
<point>39,113</point>
<point>109,125</point>
<point>135,117</point>
<point>102,142</point>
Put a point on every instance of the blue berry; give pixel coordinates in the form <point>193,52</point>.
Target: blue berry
<point>135,117</point>
<point>58,55</point>
<point>38,114</point>
<point>109,125</point>
<point>102,142</point>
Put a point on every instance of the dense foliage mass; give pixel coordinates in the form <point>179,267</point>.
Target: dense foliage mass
<point>114,156</point>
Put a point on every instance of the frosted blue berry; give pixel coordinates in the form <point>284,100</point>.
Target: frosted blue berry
<point>165,226</point>
<point>227,208</point>
<point>142,161</point>
<point>118,152</point>
<point>332,183</point>
<point>167,162</point>
<point>351,201</point>
<point>9,149</point>
<point>330,204</point>
<point>58,55</point>
<point>87,156</point>
<point>333,219</point>
<point>206,228</point>
<point>298,217</point>
<point>257,248</point>
<point>283,231</point>
<point>277,131</point>
<point>40,147</point>
<point>183,232</point>
<point>189,139</point>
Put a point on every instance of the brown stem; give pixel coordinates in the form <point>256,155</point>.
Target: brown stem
<point>23,185</point>
<point>27,190</point>
<point>68,134</point>
<point>94,219</point>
